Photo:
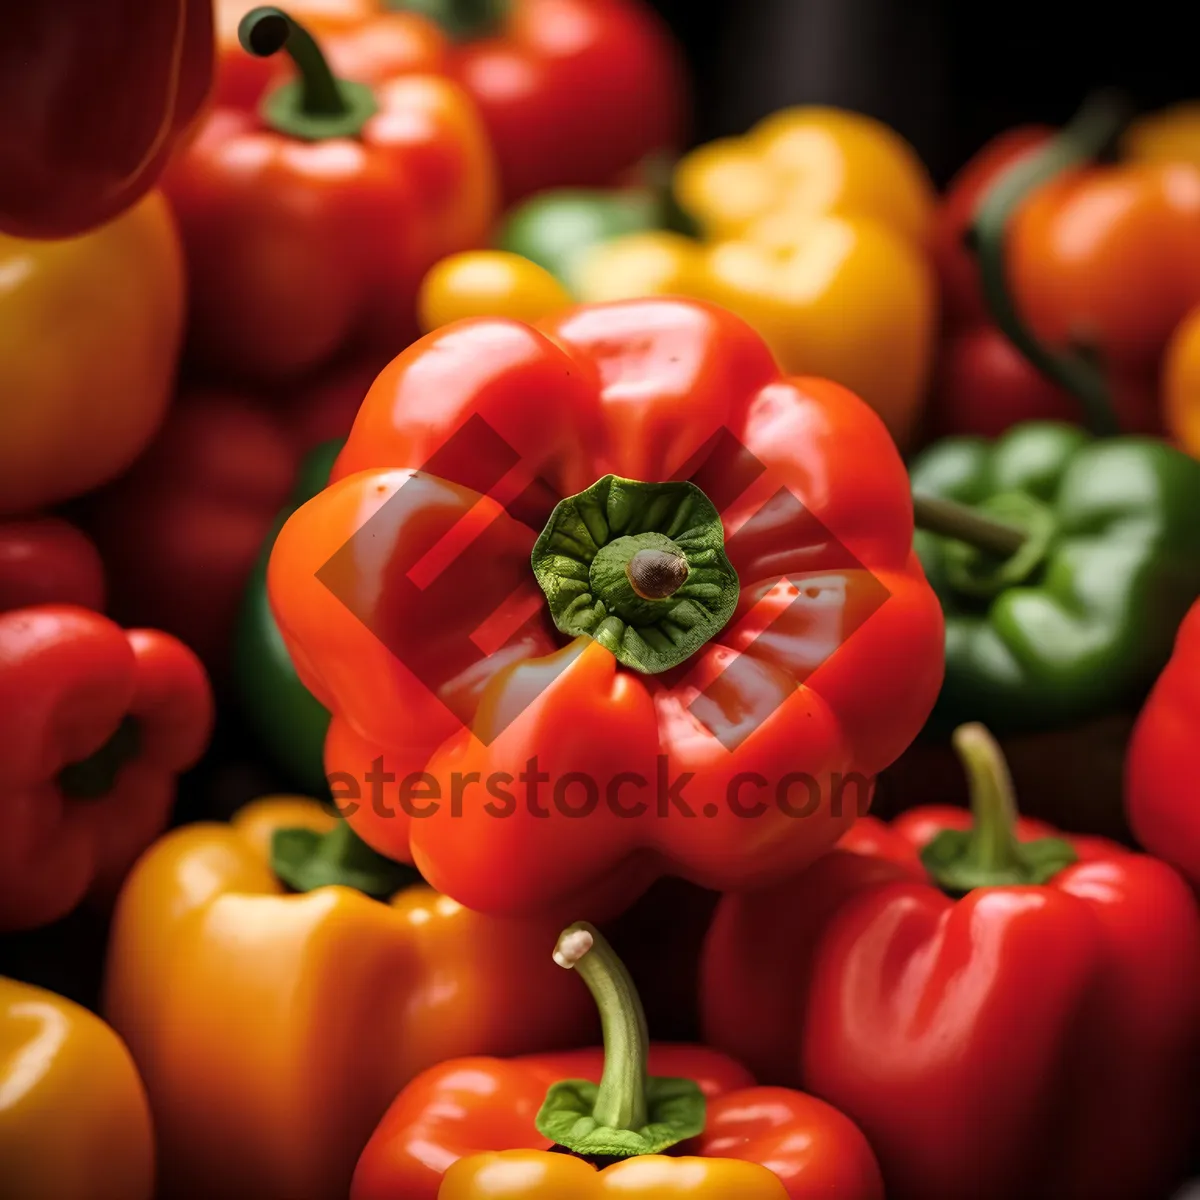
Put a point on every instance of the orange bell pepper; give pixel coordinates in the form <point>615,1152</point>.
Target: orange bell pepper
<point>309,224</point>
<point>74,1121</point>
<point>96,96</point>
<point>90,330</point>
<point>710,725</point>
<point>1181,384</point>
<point>274,1029</point>
<point>1109,257</point>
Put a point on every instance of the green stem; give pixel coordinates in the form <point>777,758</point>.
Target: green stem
<point>989,853</point>
<point>1092,130</point>
<point>621,1100</point>
<point>317,104</point>
<point>992,797</point>
<point>948,518</point>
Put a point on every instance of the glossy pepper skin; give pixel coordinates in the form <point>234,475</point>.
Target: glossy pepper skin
<point>644,390</point>
<point>274,1029</point>
<point>97,95</point>
<point>814,228</point>
<point>1079,622</point>
<point>46,560</point>
<point>1138,272</point>
<point>301,243</point>
<point>462,1127</point>
<point>289,721</point>
<point>1161,776</point>
<point>97,723</point>
<point>573,92</point>
<point>1025,1040</point>
<point>75,1124</point>
<point>90,330</point>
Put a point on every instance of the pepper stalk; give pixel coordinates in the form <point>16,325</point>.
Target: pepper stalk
<point>629,1112</point>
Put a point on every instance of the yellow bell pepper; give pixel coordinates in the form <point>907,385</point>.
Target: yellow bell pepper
<point>74,1122</point>
<point>537,1175</point>
<point>1170,135</point>
<point>483,283</point>
<point>90,331</point>
<point>807,162</point>
<point>274,1029</point>
<point>814,230</point>
<point>1181,384</point>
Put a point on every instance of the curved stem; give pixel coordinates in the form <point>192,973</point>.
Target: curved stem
<point>621,1100</point>
<point>992,797</point>
<point>267,30</point>
<point>948,518</point>
<point>1092,130</point>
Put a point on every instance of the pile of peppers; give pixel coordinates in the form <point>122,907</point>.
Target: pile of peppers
<point>546,660</point>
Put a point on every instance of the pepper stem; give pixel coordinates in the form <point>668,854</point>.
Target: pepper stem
<point>621,1100</point>
<point>317,105</point>
<point>1087,135</point>
<point>992,798</point>
<point>949,518</point>
<point>990,854</point>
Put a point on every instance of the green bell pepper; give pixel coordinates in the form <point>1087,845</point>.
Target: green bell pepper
<point>1078,619</point>
<point>282,712</point>
<point>555,229</point>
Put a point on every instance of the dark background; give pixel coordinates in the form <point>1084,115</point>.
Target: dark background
<point>948,74</point>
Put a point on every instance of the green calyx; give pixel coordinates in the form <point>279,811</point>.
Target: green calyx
<point>640,568</point>
<point>628,1112</point>
<point>95,776</point>
<point>462,20</point>
<point>306,860</point>
<point>317,105</point>
<point>989,853</point>
<point>1091,132</point>
<point>976,571</point>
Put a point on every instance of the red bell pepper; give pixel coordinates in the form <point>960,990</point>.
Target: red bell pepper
<point>573,92</point>
<point>45,560</point>
<point>1162,768</point>
<point>984,386</point>
<point>182,530</point>
<point>309,224</point>
<point>1035,1038</point>
<point>95,723</point>
<point>456,1123</point>
<point>362,43</point>
<point>693,740</point>
<point>96,95</point>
